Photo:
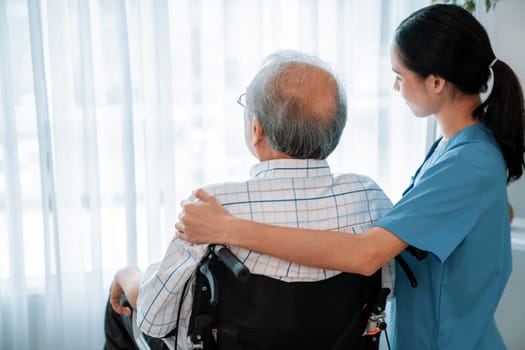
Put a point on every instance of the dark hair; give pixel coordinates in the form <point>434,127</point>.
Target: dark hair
<point>294,123</point>
<point>447,41</point>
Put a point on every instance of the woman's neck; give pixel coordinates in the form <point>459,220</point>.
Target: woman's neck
<point>457,115</point>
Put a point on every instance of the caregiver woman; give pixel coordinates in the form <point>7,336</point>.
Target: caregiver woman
<point>456,207</point>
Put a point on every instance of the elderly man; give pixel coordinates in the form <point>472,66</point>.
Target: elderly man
<point>294,115</point>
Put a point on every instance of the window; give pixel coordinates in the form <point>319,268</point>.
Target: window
<point>113,111</point>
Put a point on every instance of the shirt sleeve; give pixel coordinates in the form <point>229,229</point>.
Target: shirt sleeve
<point>162,287</point>
<point>439,211</point>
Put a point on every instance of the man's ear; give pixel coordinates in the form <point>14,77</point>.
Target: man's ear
<point>257,132</point>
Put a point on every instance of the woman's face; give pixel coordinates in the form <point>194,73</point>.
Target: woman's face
<point>415,90</point>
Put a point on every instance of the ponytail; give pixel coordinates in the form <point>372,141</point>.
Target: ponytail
<point>503,113</point>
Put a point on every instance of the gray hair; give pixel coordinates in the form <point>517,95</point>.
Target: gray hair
<point>295,124</point>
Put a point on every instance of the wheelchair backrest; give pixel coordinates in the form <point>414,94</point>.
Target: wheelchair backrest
<point>266,313</point>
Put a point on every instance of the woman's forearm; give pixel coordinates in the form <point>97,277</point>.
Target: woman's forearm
<point>358,253</point>
<point>207,221</point>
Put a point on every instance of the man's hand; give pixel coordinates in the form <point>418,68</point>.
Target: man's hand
<point>114,299</point>
<point>127,281</point>
<point>203,221</point>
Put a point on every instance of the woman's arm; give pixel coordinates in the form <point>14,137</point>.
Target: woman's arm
<point>207,221</point>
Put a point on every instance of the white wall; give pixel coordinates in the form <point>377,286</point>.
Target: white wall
<point>509,316</point>
<point>506,28</point>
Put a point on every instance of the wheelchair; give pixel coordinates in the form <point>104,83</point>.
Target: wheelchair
<point>233,309</point>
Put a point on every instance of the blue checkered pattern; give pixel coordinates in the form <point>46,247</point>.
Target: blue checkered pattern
<point>285,192</point>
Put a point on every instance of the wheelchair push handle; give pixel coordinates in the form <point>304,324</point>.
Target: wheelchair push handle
<point>230,260</point>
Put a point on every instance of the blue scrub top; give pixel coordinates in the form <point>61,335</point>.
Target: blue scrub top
<point>456,209</point>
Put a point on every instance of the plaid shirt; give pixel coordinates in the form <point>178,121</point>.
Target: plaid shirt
<point>284,192</point>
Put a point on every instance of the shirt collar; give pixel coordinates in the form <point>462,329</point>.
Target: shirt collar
<point>475,132</point>
<point>290,168</point>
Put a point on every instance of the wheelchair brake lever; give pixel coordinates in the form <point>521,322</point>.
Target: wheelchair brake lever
<point>212,282</point>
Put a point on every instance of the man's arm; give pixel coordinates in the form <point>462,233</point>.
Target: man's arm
<point>126,282</point>
<point>162,288</point>
<point>207,221</point>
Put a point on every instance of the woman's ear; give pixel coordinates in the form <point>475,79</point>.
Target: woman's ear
<point>438,83</point>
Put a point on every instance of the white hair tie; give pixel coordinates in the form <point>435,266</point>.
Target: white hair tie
<point>490,82</point>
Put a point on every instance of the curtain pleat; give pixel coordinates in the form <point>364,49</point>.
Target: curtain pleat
<point>53,300</point>
<point>15,289</point>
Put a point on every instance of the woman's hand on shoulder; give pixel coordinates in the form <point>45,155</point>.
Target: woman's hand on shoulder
<point>203,220</point>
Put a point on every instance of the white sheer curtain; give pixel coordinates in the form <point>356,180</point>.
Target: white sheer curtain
<point>112,111</point>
